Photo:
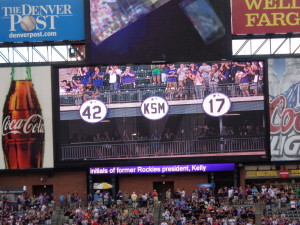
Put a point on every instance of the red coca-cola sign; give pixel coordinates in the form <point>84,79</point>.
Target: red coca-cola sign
<point>23,130</point>
<point>284,173</point>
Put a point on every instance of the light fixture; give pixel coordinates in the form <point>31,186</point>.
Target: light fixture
<point>105,121</point>
<point>232,114</point>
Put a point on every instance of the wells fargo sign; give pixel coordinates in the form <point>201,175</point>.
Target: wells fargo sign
<point>262,173</point>
<point>265,16</point>
<point>283,173</point>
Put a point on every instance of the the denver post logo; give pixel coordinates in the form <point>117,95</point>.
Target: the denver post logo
<point>155,108</point>
<point>38,17</point>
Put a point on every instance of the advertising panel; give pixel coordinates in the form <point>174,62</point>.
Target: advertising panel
<point>26,134</point>
<point>157,111</point>
<point>144,31</point>
<point>262,16</point>
<point>33,21</point>
<point>284,95</point>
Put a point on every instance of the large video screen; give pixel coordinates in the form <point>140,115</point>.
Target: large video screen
<point>121,112</point>
<point>142,31</point>
<point>26,114</point>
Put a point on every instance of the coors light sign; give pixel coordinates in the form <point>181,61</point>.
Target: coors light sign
<point>23,131</point>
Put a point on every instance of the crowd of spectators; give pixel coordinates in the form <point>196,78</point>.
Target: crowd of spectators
<point>228,206</point>
<point>101,208</point>
<point>183,81</point>
<point>232,206</point>
<point>224,206</point>
<point>26,210</point>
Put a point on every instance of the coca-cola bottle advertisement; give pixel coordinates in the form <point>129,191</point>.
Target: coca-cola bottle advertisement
<point>25,94</point>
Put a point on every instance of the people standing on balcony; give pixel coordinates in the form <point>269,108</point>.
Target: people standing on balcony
<point>156,73</point>
<point>114,77</point>
<point>128,78</point>
<point>181,73</point>
<point>97,77</point>
<point>225,69</point>
<point>170,91</point>
<point>188,82</point>
<point>86,75</point>
<point>254,86</point>
<point>213,79</point>
<point>204,70</point>
<point>172,76</point>
<point>199,85</point>
<point>238,76</point>
<point>193,67</point>
<point>244,82</point>
<point>164,69</point>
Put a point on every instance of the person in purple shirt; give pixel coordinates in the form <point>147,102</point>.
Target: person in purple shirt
<point>172,75</point>
<point>98,78</point>
<point>128,78</point>
<point>244,82</point>
<point>86,75</point>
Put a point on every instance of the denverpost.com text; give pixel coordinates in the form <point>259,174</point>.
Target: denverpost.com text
<point>32,35</point>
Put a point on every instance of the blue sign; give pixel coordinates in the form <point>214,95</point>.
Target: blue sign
<point>163,169</point>
<point>37,20</point>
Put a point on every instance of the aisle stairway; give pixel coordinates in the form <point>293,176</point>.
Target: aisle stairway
<point>58,217</point>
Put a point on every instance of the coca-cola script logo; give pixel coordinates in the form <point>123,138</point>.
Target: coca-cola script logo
<point>34,124</point>
<point>284,129</point>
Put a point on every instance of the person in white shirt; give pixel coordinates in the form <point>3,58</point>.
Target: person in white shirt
<point>271,192</point>
<point>164,223</point>
<point>114,77</point>
<point>231,221</point>
<point>183,194</point>
<point>205,69</point>
<point>292,204</point>
<point>181,73</point>
<point>230,195</point>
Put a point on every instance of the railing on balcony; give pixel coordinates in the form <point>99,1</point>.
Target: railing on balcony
<point>142,92</point>
<point>146,149</point>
